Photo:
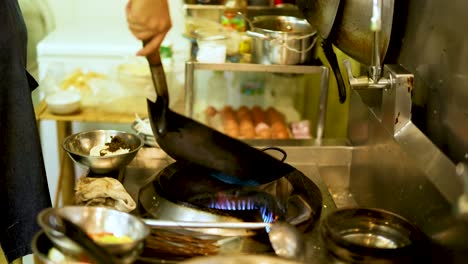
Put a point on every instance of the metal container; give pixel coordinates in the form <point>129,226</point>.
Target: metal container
<point>79,145</point>
<point>283,40</point>
<point>96,220</point>
<point>365,235</point>
<point>41,245</point>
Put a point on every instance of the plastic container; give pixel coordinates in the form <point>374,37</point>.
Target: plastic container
<point>212,49</point>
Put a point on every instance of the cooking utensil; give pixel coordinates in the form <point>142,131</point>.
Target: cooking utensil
<point>185,139</point>
<point>41,246</point>
<point>367,235</point>
<point>281,39</point>
<point>322,14</point>
<point>73,232</point>
<point>79,145</point>
<point>96,220</point>
<point>331,57</point>
<point>346,25</point>
<point>286,241</point>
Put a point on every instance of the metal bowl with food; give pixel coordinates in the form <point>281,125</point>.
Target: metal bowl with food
<point>102,151</point>
<point>120,234</point>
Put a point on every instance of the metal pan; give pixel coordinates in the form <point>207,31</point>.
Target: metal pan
<point>184,139</point>
<point>321,14</point>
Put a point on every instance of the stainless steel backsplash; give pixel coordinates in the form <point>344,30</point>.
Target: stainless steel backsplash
<point>434,46</point>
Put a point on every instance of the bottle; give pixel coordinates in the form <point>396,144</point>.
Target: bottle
<point>231,18</point>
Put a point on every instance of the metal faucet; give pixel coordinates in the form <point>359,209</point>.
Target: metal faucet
<point>395,82</point>
<point>375,70</point>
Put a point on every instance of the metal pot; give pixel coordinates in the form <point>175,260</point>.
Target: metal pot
<point>346,24</point>
<point>282,40</point>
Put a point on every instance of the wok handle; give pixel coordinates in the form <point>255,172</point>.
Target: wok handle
<point>158,75</point>
<point>154,58</point>
<point>285,155</point>
<point>158,110</point>
<point>331,57</point>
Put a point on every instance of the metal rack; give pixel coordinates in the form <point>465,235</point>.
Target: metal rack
<point>191,67</point>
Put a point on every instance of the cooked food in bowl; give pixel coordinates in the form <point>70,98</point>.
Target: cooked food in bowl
<point>115,147</point>
<point>103,151</point>
<point>110,238</point>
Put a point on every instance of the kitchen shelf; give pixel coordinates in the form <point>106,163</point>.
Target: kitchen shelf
<point>87,114</point>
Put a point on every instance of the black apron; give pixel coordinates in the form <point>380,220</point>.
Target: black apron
<point>23,183</point>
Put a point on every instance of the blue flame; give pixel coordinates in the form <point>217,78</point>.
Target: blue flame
<point>243,204</point>
<point>233,180</point>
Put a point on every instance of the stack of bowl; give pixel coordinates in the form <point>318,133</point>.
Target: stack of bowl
<point>125,234</point>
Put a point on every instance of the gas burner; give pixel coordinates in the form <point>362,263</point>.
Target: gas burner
<point>262,205</point>
<point>187,192</point>
<point>294,198</point>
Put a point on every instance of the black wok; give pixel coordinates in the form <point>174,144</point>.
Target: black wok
<point>185,139</point>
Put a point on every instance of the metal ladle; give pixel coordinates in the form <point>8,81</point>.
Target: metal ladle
<point>285,239</point>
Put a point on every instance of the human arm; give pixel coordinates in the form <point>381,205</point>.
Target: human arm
<point>149,21</point>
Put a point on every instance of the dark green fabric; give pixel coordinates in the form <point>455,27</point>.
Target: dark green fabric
<point>23,183</point>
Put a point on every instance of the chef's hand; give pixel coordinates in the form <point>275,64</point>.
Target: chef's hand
<point>149,21</point>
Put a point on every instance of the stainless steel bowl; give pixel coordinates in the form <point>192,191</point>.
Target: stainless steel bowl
<point>79,145</point>
<point>96,220</point>
<point>368,235</point>
<point>41,246</point>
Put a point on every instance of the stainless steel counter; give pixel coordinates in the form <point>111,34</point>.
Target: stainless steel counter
<point>405,174</point>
